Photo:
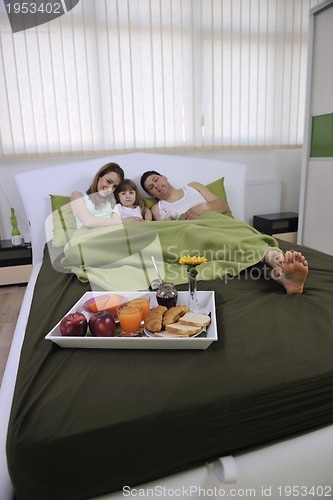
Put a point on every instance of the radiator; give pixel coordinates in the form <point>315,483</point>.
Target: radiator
<point>262,197</point>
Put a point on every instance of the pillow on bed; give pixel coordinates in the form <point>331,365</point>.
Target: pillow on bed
<point>216,187</point>
<point>149,202</point>
<point>64,222</point>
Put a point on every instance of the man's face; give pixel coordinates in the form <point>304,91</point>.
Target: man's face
<point>157,186</point>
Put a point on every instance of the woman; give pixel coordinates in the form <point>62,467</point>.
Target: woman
<point>94,207</point>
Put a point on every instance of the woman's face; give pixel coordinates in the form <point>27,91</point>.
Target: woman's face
<point>108,183</point>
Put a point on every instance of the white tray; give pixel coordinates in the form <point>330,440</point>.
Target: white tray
<point>206,305</point>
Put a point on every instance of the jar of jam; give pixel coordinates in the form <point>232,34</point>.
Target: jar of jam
<point>167,295</point>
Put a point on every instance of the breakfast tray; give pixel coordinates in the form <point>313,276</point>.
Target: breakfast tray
<point>202,341</point>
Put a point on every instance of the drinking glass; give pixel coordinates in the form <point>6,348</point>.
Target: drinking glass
<point>144,302</point>
<point>130,319</point>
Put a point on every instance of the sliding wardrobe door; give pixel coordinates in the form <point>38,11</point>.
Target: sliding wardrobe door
<point>316,205</point>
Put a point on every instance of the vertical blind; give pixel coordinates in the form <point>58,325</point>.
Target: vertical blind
<point>119,75</point>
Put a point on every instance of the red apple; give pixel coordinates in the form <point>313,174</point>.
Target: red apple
<point>74,324</point>
<point>102,324</point>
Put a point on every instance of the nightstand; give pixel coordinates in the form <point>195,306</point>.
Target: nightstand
<point>283,224</point>
<point>15,263</point>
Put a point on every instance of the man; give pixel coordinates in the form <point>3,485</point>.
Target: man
<point>290,270</point>
<point>192,200</point>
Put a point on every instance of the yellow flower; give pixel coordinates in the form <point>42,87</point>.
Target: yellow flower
<point>192,262</point>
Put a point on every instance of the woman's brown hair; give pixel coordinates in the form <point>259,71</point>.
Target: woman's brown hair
<point>105,169</point>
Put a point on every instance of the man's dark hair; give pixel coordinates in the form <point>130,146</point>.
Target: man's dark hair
<point>144,177</point>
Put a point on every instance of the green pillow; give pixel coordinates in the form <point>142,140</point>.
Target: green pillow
<point>149,202</point>
<point>216,187</point>
<point>64,222</point>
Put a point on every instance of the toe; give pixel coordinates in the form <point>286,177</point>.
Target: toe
<point>288,257</point>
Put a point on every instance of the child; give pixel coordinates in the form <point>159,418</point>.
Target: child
<point>129,203</point>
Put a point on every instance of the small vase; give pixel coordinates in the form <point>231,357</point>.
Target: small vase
<point>15,229</point>
<point>193,302</point>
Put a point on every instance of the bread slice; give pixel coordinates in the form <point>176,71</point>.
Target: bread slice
<point>184,330</point>
<point>195,319</point>
<point>169,335</point>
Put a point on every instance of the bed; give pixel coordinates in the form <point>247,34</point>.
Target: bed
<point>85,423</point>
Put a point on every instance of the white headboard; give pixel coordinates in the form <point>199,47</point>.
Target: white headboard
<point>35,186</point>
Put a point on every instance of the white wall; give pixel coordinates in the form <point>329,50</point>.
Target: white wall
<point>263,164</point>
<point>269,164</point>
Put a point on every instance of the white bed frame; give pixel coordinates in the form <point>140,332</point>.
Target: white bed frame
<point>305,461</point>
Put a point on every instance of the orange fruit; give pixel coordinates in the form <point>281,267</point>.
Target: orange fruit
<point>113,301</point>
<point>98,305</point>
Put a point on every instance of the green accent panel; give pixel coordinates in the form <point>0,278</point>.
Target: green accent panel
<point>322,136</point>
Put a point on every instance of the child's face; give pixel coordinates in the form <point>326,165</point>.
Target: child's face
<point>127,198</point>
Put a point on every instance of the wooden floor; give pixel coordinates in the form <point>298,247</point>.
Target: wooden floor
<point>10,303</point>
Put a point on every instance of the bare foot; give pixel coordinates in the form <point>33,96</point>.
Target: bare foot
<point>294,272</point>
<point>275,259</point>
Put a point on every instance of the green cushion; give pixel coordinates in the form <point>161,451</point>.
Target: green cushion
<point>64,222</point>
<point>149,202</point>
<point>216,187</point>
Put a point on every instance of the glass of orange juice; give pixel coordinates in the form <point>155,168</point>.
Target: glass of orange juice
<point>143,302</point>
<point>130,319</point>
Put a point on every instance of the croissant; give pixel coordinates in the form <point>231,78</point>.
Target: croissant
<point>173,314</point>
<point>153,320</point>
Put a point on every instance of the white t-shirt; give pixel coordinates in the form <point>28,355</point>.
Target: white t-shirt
<point>125,212</point>
<point>105,210</point>
<point>174,210</point>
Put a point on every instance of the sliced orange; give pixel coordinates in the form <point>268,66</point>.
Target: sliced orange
<point>100,305</point>
<point>113,301</point>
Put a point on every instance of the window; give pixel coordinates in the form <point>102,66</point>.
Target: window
<point>119,75</point>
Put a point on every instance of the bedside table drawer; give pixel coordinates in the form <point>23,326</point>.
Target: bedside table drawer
<point>13,275</point>
<point>15,263</point>
<point>283,222</point>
